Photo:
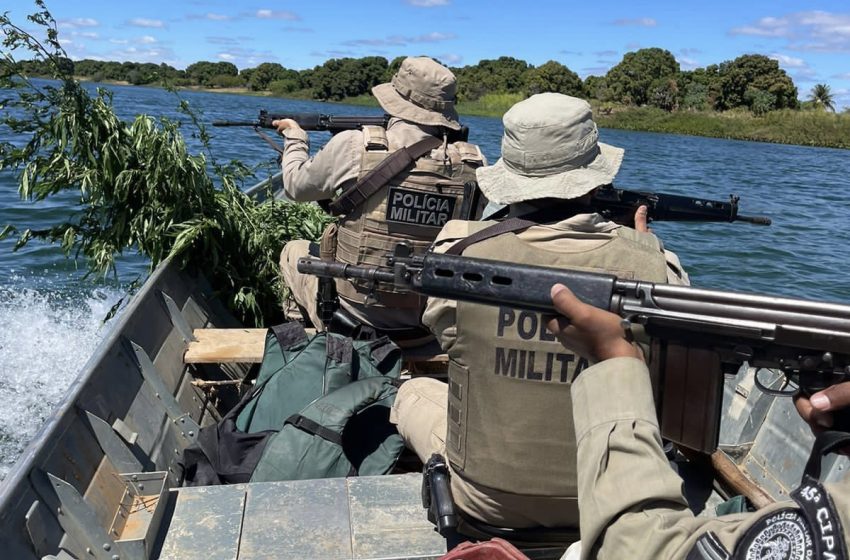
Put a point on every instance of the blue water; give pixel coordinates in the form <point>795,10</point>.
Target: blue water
<point>51,316</point>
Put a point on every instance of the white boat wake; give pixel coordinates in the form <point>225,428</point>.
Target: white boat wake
<point>45,338</point>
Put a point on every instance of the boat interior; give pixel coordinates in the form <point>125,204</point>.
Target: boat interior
<point>103,479</point>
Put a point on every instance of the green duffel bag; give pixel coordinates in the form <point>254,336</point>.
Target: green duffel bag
<point>345,433</point>
<point>297,369</point>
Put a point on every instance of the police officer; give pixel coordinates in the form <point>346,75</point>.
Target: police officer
<point>500,420</point>
<point>631,502</point>
<point>411,205</point>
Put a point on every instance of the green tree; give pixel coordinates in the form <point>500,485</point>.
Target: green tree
<point>821,96</point>
<point>554,76</point>
<point>503,75</point>
<point>203,72</point>
<point>754,71</point>
<point>631,80</point>
<point>664,93</point>
<point>597,88</point>
<point>261,76</point>
<point>339,78</point>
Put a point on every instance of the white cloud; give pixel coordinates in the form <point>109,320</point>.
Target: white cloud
<point>788,61</point>
<point>400,40</point>
<point>277,14</point>
<point>147,40</point>
<point>119,41</point>
<point>687,63</point>
<point>226,56</point>
<point>428,3</point>
<point>640,22</point>
<point>89,35</point>
<point>76,23</point>
<point>450,58</point>
<point>218,17</point>
<point>145,22</point>
<point>804,31</point>
<point>842,76</point>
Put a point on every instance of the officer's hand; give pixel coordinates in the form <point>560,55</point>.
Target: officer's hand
<point>817,409</point>
<point>594,333</point>
<point>283,124</point>
<point>641,219</point>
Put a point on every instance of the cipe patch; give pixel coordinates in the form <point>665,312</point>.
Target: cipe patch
<point>419,208</point>
<point>783,535</point>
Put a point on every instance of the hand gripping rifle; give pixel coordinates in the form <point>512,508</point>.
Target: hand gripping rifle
<point>697,335</point>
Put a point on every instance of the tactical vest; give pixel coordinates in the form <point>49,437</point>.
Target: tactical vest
<point>510,423</point>
<point>412,207</point>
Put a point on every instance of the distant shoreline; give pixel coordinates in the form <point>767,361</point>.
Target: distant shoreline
<point>799,128</point>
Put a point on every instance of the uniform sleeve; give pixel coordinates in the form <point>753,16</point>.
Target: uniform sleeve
<point>440,314</point>
<point>631,502</point>
<point>675,271</point>
<point>334,167</point>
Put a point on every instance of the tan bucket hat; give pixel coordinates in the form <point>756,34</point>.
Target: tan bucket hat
<point>422,91</point>
<point>550,149</point>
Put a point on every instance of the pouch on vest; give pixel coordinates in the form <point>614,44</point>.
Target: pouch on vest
<point>297,370</point>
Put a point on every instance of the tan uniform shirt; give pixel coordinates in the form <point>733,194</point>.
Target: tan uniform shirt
<point>630,501</point>
<point>582,232</point>
<point>337,164</point>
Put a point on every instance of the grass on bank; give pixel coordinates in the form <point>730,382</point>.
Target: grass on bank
<point>804,128</point>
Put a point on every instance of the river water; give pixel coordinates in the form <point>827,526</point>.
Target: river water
<point>51,317</point>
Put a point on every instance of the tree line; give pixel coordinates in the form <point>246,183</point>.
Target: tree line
<point>646,77</point>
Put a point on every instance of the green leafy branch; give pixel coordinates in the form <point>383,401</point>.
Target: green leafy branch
<point>136,184</point>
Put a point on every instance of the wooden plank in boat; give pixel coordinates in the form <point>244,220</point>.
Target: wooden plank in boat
<point>387,518</point>
<point>297,520</point>
<point>206,524</point>
<point>221,346</point>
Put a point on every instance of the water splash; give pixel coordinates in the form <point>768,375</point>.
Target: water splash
<point>46,337</point>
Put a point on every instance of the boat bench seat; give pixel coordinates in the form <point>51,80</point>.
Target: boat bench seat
<point>364,518</point>
<point>245,346</point>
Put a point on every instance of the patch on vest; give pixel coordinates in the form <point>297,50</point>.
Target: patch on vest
<point>783,535</point>
<point>419,208</point>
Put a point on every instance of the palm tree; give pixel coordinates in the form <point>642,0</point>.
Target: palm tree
<point>821,95</point>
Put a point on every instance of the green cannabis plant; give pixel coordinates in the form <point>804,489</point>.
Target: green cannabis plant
<point>136,184</point>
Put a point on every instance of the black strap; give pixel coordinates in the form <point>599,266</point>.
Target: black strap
<point>825,443</point>
<point>289,334</point>
<point>382,174</point>
<point>268,140</point>
<point>311,427</point>
<point>507,226</point>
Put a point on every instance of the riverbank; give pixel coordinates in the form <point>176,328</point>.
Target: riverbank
<point>800,128</point>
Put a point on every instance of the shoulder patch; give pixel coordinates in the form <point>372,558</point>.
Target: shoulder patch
<point>781,535</point>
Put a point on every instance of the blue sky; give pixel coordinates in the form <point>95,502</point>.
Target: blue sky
<point>811,40</point>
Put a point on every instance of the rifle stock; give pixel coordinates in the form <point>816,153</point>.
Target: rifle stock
<point>697,335</point>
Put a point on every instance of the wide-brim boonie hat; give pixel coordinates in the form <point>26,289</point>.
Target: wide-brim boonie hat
<point>423,91</point>
<point>550,149</point>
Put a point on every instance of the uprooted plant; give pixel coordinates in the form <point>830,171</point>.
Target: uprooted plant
<point>137,185</point>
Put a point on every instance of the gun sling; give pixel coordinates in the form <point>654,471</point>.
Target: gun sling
<point>372,182</point>
<point>507,226</point>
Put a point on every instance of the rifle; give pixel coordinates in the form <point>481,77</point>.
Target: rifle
<point>330,123</point>
<point>619,205</point>
<point>697,335</point>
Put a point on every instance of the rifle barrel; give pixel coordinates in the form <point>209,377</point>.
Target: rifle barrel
<point>760,220</point>
<point>235,123</point>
